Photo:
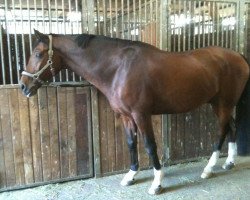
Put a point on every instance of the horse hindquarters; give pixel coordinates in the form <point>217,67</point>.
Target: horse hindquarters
<point>223,105</point>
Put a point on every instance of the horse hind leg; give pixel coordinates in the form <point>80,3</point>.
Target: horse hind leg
<point>131,133</point>
<point>224,115</point>
<point>232,147</point>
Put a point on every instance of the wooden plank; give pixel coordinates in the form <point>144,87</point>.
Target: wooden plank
<point>95,131</point>
<point>16,136</point>
<point>82,136</point>
<point>71,116</point>
<point>103,132</point>
<point>2,159</point>
<point>203,131</point>
<point>44,133</point>
<point>54,136</point>
<point>63,132</point>
<point>26,137</point>
<point>7,139</point>
<point>192,134</point>
<point>119,135</point>
<point>35,136</point>
<point>111,138</point>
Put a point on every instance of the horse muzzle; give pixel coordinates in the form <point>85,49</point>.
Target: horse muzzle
<point>28,90</point>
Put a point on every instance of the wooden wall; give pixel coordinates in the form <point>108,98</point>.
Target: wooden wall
<point>44,138</point>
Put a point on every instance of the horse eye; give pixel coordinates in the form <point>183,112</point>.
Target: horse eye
<point>38,55</point>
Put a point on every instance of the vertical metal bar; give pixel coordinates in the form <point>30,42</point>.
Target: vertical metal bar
<point>240,27</point>
<point>122,10</point>
<point>156,9</point>
<point>194,27</point>
<point>199,25</point>
<point>209,23</point>
<point>189,27</point>
<point>214,14</point>
<point>8,43</point>
<point>98,16</point>
<point>151,21</point>
<point>217,24</point>
<point>174,29</point>
<point>2,55</point>
<point>179,27</point>
<point>128,20</point>
<point>116,19</point>
<point>104,11</point>
<point>164,16</point>
<point>184,5</point>
<point>222,28</point>
<point>111,18</point>
<point>15,38</point>
<point>203,26</point>
<point>134,21</point>
<point>146,21</point>
<point>140,21</point>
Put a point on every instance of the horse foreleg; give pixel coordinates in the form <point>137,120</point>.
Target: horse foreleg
<point>145,126</point>
<point>232,147</point>
<point>131,134</point>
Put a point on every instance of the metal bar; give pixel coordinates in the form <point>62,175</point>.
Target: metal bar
<point>203,27</point>
<point>199,25</point>
<point>189,27</point>
<point>2,55</point>
<point>134,21</point>
<point>128,20</point>
<point>116,19</point>
<point>104,11</point>
<point>110,19</point>
<point>140,21</point>
<point>15,42</point>
<point>146,21</point>
<point>151,21</point>
<point>98,17</point>
<point>184,4</point>
<point>194,39</point>
<point>8,43</point>
<point>240,27</point>
<point>179,28</point>
<point>213,25</point>
<point>122,10</point>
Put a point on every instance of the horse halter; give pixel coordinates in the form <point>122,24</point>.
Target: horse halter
<point>49,63</point>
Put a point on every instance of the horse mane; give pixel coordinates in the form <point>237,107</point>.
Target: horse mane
<point>83,41</point>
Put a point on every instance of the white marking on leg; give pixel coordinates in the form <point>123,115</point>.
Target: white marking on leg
<point>207,172</point>
<point>129,178</point>
<point>156,185</point>
<point>232,152</point>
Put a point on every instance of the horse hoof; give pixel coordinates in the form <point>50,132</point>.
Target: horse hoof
<point>206,175</point>
<point>228,166</point>
<point>155,191</point>
<point>127,182</point>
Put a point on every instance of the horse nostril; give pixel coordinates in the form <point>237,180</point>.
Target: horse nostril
<point>22,86</point>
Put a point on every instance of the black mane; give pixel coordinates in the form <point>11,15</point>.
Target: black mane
<point>83,40</point>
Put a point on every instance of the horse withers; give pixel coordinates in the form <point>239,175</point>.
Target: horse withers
<point>140,80</point>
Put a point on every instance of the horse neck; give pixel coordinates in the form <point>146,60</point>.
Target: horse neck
<point>87,63</point>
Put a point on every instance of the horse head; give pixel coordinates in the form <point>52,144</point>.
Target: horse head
<point>43,64</point>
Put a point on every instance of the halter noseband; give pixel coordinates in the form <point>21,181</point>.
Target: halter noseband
<point>49,63</point>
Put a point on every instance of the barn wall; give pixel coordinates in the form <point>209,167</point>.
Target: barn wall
<point>45,138</point>
<point>49,118</point>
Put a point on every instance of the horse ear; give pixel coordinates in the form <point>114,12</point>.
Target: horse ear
<point>41,37</point>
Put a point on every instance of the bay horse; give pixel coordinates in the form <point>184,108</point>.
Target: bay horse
<point>140,80</point>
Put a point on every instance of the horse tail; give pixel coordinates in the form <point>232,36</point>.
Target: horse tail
<point>242,119</point>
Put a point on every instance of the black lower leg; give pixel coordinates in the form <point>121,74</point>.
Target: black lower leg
<point>151,149</point>
<point>132,145</point>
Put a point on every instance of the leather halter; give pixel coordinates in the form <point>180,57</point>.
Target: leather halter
<point>49,63</point>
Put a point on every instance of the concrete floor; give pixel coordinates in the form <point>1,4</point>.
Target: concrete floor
<point>180,182</point>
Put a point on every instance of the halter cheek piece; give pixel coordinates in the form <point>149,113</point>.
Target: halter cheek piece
<point>49,63</point>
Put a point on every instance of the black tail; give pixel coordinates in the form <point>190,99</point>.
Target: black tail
<point>242,121</point>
